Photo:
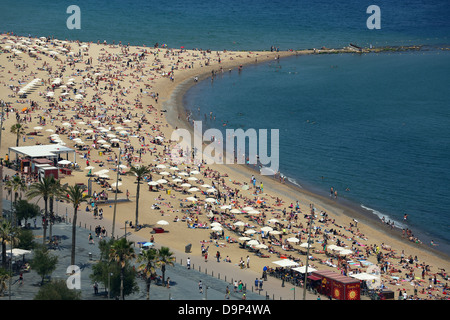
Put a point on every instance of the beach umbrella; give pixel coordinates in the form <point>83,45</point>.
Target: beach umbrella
<point>252,242</point>
<point>162,181</point>
<point>247,208</point>
<point>66,124</point>
<point>210,200</point>
<point>89,131</point>
<point>161,166</point>
<point>194,172</point>
<point>164,173</point>
<point>153,183</point>
<point>239,223</point>
<point>38,128</point>
<point>235,211</point>
<point>162,222</point>
<point>192,178</point>
<point>273,220</point>
<point>183,173</point>
<point>206,186</point>
<point>174,168</point>
<point>250,231</point>
<point>185,185</point>
<point>177,180</point>
<point>216,228</point>
<point>194,189</point>
<point>214,224</point>
<point>89,168</point>
<point>275,232</point>
<point>260,246</point>
<point>266,229</point>
<point>192,199</point>
<point>225,207</point>
<point>50,130</point>
<point>253,212</point>
<point>305,245</point>
<point>101,141</point>
<point>211,190</point>
<point>245,187</point>
<point>293,239</point>
<point>244,238</point>
<point>345,252</point>
<point>75,132</point>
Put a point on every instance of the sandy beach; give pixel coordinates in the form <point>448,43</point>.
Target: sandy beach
<point>131,96</point>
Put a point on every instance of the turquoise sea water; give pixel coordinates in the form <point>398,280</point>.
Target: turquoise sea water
<point>376,124</point>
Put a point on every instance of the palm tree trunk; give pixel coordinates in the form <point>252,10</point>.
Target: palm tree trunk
<point>137,202</point>
<point>74,234</point>
<point>121,283</point>
<point>44,225</point>
<point>50,233</point>
<point>149,280</point>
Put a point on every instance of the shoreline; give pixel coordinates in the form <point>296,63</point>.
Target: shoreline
<point>350,208</point>
<point>160,122</point>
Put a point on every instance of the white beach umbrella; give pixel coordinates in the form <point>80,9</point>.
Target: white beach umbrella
<point>162,181</point>
<point>192,179</point>
<point>38,128</point>
<point>275,232</point>
<point>185,185</point>
<point>177,180</point>
<point>89,168</point>
<point>210,200</point>
<point>153,183</point>
<point>293,239</point>
<point>273,220</point>
<point>249,231</point>
<point>244,238</point>
<point>211,190</point>
<point>194,172</point>
<point>162,222</point>
<point>164,173</point>
<point>247,208</point>
<point>161,166</point>
<point>253,242</point>
<point>206,186</point>
<point>235,211</point>
<point>266,229</point>
<point>239,223</point>
<point>192,199</point>
<point>50,130</point>
<point>194,189</point>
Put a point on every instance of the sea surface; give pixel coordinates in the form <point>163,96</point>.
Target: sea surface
<point>374,127</point>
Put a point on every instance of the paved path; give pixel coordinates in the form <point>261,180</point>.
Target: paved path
<point>184,282</point>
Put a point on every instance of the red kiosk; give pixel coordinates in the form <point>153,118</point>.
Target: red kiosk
<point>337,286</point>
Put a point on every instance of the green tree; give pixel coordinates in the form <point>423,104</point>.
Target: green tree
<point>4,277</point>
<point>19,130</point>
<point>57,290</point>
<point>165,257</point>
<point>42,189</point>
<point>139,172</point>
<point>56,193</point>
<point>122,253</point>
<point>26,210</point>
<point>25,238</point>
<point>6,230</point>
<point>147,260</point>
<point>75,197</point>
<point>15,185</point>
<point>43,262</point>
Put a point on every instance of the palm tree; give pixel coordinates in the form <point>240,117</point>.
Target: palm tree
<point>42,189</point>
<point>140,172</point>
<point>121,252</point>
<point>165,257</point>
<point>148,260</point>
<point>75,196</point>
<point>18,130</point>
<point>16,185</point>
<point>56,192</point>
<point>6,230</point>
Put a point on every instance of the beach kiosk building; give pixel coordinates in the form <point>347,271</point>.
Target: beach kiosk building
<point>41,159</point>
<point>336,285</point>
